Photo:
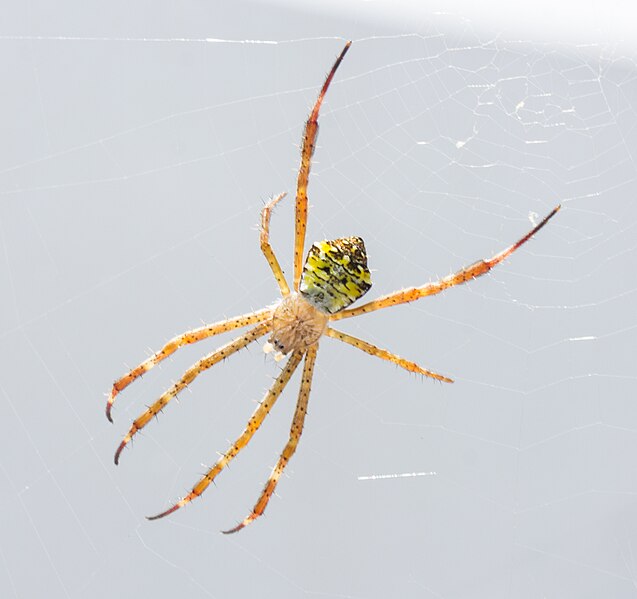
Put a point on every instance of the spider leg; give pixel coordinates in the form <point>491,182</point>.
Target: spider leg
<point>257,418</point>
<point>372,350</point>
<point>174,344</point>
<point>309,139</point>
<point>190,375</point>
<point>468,273</point>
<point>289,449</point>
<point>266,248</point>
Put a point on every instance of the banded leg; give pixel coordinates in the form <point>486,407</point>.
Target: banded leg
<point>190,375</point>
<point>290,448</point>
<point>257,418</point>
<point>468,273</point>
<point>372,350</point>
<point>174,344</point>
<point>309,139</point>
<point>266,248</point>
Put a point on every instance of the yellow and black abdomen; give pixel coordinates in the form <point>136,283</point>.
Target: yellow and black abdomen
<point>335,274</point>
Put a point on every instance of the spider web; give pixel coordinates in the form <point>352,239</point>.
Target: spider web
<point>136,157</point>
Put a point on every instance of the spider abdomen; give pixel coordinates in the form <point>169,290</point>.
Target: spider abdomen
<point>335,274</point>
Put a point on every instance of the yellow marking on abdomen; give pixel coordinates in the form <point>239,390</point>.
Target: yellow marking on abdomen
<point>335,274</point>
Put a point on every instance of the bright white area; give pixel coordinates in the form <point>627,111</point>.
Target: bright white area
<point>568,21</point>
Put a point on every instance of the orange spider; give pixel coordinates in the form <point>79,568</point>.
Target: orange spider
<point>334,275</point>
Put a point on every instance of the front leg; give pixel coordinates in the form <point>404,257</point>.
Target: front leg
<point>477,269</point>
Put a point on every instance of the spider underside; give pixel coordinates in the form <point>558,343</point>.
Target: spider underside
<point>333,276</point>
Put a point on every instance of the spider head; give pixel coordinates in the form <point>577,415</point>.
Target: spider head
<point>335,274</point>
<point>296,324</point>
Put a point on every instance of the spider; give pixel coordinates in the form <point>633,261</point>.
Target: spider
<point>333,276</point>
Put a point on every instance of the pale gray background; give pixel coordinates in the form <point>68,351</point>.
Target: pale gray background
<point>135,158</point>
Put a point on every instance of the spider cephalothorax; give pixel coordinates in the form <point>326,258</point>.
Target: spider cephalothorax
<point>334,276</point>
<point>296,324</point>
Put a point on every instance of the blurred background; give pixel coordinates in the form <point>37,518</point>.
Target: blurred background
<point>140,142</point>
